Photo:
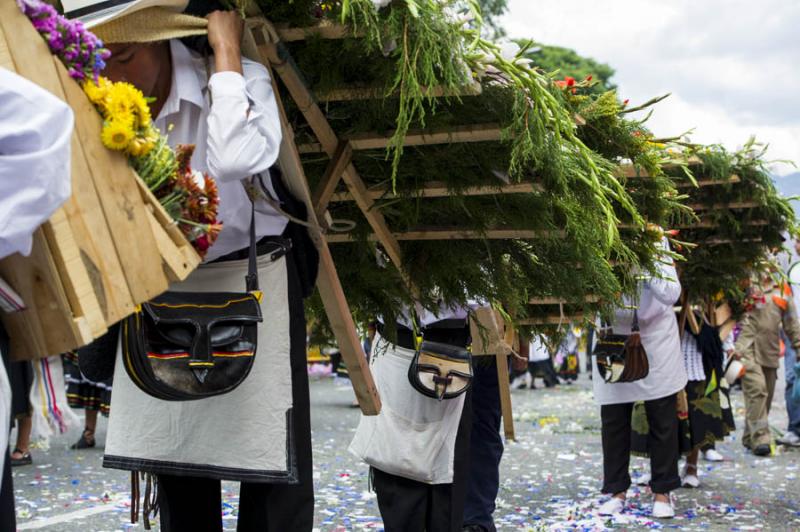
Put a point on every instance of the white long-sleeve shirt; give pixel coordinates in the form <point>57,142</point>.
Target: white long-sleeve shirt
<point>35,133</point>
<point>234,124</point>
<point>660,339</point>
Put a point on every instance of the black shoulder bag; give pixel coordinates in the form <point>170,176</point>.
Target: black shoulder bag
<point>183,346</point>
<point>621,357</point>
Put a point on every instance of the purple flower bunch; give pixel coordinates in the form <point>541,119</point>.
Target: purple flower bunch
<point>79,49</point>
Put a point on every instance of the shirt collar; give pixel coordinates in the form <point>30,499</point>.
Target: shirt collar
<point>189,80</point>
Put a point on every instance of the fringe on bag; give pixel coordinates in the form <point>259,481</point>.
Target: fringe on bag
<point>48,397</point>
<point>149,506</point>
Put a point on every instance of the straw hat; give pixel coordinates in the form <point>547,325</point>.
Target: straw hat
<point>116,21</point>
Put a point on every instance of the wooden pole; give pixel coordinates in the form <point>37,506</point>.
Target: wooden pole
<point>328,282</point>
<point>505,387</point>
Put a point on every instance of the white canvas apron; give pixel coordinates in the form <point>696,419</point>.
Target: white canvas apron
<point>241,435</point>
<point>414,436</point>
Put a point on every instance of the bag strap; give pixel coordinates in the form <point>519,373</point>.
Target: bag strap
<point>635,323</point>
<point>251,280</point>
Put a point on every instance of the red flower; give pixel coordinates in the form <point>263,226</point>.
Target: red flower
<point>626,102</point>
<point>561,84</point>
<point>202,244</point>
<point>589,77</point>
<point>673,232</point>
<point>570,81</point>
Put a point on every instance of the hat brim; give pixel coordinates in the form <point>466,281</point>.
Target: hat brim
<point>94,13</point>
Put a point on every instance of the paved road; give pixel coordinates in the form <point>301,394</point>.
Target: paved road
<point>550,476</point>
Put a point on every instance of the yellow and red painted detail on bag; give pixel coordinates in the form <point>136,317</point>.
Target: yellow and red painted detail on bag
<point>224,305</point>
<point>223,354</point>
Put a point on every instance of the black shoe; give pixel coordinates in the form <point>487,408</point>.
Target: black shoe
<point>25,459</point>
<point>85,442</point>
<point>762,450</point>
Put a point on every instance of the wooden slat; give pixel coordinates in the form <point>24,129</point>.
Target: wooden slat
<point>347,94</point>
<point>721,241</point>
<point>6,61</point>
<point>376,141</point>
<point>457,234</point>
<point>330,180</point>
<point>439,189</point>
<point>725,206</point>
<point>122,205</point>
<point>711,182</point>
<point>560,301</point>
<point>73,274</point>
<point>552,320</point>
<point>710,224</point>
<point>41,290</point>
<point>179,258</point>
<point>328,283</point>
<point>324,30</point>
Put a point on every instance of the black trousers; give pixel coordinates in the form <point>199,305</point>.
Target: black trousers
<point>543,368</point>
<point>8,517</point>
<point>485,446</point>
<point>408,505</point>
<point>194,504</point>
<point>662,416</point>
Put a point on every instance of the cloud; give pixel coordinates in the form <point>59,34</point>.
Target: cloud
<point>731,65</point>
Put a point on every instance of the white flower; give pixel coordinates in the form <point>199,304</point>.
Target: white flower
<point>381,3</point>
<point>199,179</point>
<point>509,50</point>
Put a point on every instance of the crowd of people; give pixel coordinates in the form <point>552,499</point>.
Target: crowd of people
<point>434,450</point>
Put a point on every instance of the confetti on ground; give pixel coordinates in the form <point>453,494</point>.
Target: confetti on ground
<point>550,476</point>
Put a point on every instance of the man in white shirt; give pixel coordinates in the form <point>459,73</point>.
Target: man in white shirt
<point>259,433</point>
<point>35,133</point>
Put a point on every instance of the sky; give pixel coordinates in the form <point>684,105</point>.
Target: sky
<point>732,66</point>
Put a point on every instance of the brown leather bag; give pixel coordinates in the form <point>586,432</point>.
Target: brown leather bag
<point>622,358</point>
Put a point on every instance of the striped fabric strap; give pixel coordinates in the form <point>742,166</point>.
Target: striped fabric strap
<point>10,301</point>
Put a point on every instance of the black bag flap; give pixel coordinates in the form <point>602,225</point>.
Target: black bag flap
<point>206,308</point>
<point>445,351</point>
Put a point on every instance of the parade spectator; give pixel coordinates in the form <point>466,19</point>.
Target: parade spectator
<point>791,437</point>
<point>759,346</point>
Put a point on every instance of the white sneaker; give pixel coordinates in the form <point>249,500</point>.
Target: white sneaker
<point>663,510</point>
<point>790,438</point>
<point>519,383</point>
<point>712,455</point>
<point>691,481</point>
<point>612,506</point>
<point>643,479</point>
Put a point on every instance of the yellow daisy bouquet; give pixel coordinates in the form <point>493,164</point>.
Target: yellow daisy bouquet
<point>128,125</point>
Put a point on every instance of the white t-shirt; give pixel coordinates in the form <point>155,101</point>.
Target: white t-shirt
<point>660,339</point>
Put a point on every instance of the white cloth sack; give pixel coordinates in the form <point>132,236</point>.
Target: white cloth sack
<point>414,436</point>
<point>241,435</point>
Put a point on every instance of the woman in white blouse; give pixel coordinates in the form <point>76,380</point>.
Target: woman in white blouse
<point>659,333</point>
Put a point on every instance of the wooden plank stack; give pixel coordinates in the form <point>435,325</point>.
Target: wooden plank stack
<point>108,249</point>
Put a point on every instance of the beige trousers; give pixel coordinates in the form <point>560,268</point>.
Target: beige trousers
<point>758,385</point>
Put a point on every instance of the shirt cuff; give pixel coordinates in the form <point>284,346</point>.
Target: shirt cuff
<point>227,83</point>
